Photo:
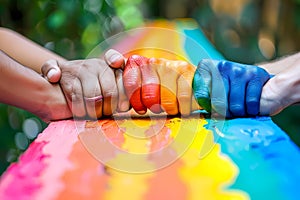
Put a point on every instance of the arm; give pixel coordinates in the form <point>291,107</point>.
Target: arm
<point>24,50</point>
<point>283,89</point>
<point>279,65</point>
<point>90,86</point>
<point>24,88</point>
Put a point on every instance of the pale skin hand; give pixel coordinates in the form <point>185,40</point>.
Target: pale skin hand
<point>283,89</point>
<point>82,80</point>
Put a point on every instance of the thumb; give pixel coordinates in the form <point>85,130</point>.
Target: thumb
<point>114,59</point>
<point>51,71</point>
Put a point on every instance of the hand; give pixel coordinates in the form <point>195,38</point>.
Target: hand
<point>229,88</point>
<point>283,89</point>
<point>159,85</point>
<point>90,86</point>
<point>26,89</point>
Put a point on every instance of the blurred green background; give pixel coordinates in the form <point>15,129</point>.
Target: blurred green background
<point>247,31</point>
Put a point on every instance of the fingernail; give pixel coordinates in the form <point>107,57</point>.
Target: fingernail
<point>51,73</point>
<point>114,58</point>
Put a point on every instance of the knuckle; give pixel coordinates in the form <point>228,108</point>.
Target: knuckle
<point>202,93</point>
<point>99,61</point>
<point>184,98</point>
<point>237,109</point>
<point>72,93</point>
<point>110,94</point>
<point>131,85</point>
<point>76,98</point>
<point>67,87</point>
<point>252,101</point>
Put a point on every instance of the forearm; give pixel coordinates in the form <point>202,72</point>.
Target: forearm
<point>283,89</point>
<point>24,50</point>
<point>276,66</point>
<point>26,89</point>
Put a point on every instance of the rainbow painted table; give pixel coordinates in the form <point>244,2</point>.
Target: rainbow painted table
<point>247,158</point>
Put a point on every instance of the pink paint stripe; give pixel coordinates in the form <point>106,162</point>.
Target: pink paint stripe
<point>21,179</point>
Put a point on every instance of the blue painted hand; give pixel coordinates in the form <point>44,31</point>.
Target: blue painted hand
<point>229,88</point>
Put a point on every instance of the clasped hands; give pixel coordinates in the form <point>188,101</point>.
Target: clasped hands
<point>96,87</point>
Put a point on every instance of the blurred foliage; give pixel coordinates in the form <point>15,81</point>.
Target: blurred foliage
<point>245,31</point>
<point>17,129</point>
<point>70,28</point>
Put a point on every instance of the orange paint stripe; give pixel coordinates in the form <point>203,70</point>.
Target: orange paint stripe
<point>167,184</point>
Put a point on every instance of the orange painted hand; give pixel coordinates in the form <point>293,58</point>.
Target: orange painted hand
<point>159,85</point>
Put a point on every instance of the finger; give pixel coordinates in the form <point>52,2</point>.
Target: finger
<point>51,71</point>
<point>74,95</point>
<point>219,89</point>
<point>132,80</point>
<point>114,59</point>
<point>253,94</point>
<point>168,89</point>
<point>123,103</point>
<point>150,84</point>
<point>184,91</point>
<point>238,84</point>
<point>92,96</point>
<point>237,97</point>
<point>109,90</point>
<point>202,85</point>
<point>195,105</point>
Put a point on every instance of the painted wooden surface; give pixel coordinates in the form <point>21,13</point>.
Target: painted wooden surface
<point>247,158</point>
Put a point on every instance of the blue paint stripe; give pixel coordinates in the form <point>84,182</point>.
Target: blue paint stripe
<point>269,162</point>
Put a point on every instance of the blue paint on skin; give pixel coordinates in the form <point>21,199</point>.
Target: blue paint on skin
<point>268,161</point>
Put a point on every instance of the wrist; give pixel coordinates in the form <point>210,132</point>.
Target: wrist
<point>274,96</point>
<point>54,106</point>
<point>280,92</point>
<point>49,103</point>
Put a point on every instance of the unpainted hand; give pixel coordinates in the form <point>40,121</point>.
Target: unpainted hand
<point>282,90</point>
<point>92,88</point>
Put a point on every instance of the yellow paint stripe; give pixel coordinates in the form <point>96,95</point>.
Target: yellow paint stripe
<point>207,177</point>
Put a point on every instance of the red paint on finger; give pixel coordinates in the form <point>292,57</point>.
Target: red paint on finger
<point>150,91</point>
<point>151,97</point>
<point>136,103</point>
<point>132,81</point>
<point>150,85</point>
